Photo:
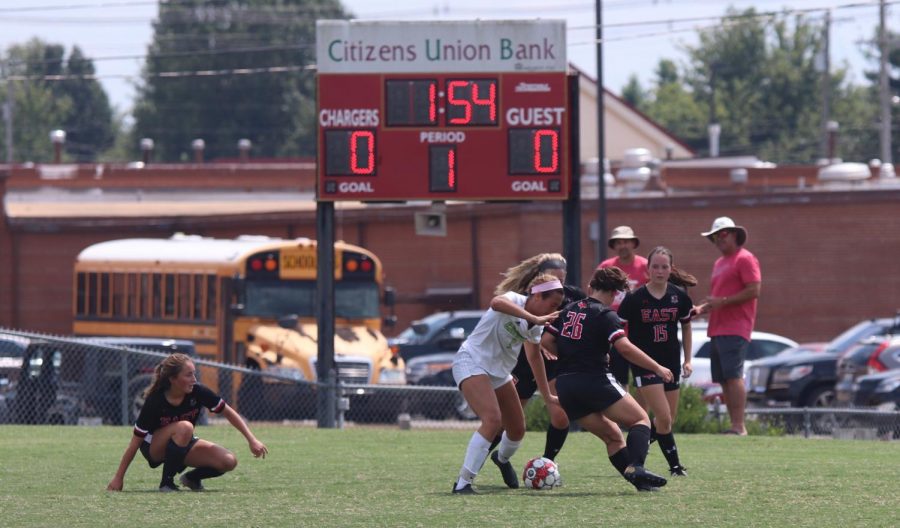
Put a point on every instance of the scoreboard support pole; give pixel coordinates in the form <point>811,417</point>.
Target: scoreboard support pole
<point>572,206</point>
<point>325,368</point>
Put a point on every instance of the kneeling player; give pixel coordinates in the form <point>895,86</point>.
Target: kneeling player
<point>164,431</point>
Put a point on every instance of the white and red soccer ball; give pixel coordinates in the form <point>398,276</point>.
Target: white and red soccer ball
<point>541,474</point>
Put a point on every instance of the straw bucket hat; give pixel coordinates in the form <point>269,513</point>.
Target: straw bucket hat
<point>723,222</point>
<point>622,233</point>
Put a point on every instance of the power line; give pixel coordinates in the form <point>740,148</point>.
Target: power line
<point>166,75</point>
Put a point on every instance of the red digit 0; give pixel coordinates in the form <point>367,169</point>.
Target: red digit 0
<point>554,150</point>
<point>355,138</point>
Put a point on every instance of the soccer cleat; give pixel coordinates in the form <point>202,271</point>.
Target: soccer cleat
<point>465,490</point>
<point>168,487</point>
<point>645,488</point>
<point>678,471</point>
<point>639,476</point>
<point>510,478</point>
<point>193,485</point>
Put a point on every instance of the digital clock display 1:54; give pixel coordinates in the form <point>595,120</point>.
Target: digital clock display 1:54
<point>430,103</point>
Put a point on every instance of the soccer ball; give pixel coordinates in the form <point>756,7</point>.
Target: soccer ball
<point>541,474</point>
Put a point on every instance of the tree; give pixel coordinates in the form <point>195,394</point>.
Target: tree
<point>755,76</point>
<point>274,109</point>
<point>40,104</point>
<point>633,93</point>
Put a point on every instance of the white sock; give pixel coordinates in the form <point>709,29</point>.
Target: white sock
<point>476,454</point>
<point>507,448</point>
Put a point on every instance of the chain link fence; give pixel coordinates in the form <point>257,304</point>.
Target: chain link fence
<point>91,381</point>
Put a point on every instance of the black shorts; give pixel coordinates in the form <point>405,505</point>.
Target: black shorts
<point>618,366</point>
<point>726,357</point>
<point>644,377</point>
<point>523,377</point>
<point>581,394</point>
<point>145,450</point>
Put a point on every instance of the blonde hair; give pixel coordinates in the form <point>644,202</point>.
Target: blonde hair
<point>165,370</point>
<point>520,277</point>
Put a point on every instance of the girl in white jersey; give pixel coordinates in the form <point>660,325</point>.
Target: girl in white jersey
<point>482,367</point>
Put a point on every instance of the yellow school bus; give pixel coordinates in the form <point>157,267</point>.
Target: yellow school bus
<point>248,301</point>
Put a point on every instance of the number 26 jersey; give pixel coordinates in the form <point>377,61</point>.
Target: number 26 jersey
<point>584,332</point>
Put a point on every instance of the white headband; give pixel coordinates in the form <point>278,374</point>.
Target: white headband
<point>546,286</point>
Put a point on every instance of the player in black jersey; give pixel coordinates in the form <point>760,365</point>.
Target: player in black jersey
<point>164,431</point>
<point>517,279</point>
<point>581,339</point>
<point>653,313</point>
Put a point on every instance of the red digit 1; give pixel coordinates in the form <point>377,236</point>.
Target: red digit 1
<point>490,102</point>
<point>554,150</point>
<point>355,139</point>
<point>451,98</point>
<point>451,169</point>
<point>432,102</point>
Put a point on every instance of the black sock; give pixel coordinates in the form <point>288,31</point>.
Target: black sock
<point>638,443</point>
<point>201,473</point>
<point>555,440</point>
<point>174,462</point>
<point>620,460</point>
<point>668,448</point>
<point>496,441</point>
<point>654,436</point>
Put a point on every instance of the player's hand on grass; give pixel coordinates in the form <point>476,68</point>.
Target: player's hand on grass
<point>258,449</point>
<point>115,484</point>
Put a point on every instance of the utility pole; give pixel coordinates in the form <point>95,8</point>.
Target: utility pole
<point>601,142</point>
<point>826,86</point>
<point>884,88</point>
<point>8,120</point>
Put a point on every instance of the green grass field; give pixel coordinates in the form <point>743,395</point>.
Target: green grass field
<point>56,476</point>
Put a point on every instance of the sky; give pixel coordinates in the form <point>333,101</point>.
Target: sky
<point>637,33</point>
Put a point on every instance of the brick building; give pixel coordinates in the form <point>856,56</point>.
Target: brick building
<point>828,253</point>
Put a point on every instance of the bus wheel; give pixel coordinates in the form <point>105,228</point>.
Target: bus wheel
<point>136,388</point>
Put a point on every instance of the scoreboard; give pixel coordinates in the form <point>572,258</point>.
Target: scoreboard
<point>474,110</point>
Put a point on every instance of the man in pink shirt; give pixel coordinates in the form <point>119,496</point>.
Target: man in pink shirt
<point>624,242</point>
<point>734,290</point>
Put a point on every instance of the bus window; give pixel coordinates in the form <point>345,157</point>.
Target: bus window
<point>356,300</point>
<point>184,297</point>
<point>118,293</point>
<point>211,300</point>
<point>81,294</point>
<point>92,294</point>
<point>133,311</point>
<point>198,297</point>
<point>274,298</point>
<point>169,296</point>
<point>156,296</point>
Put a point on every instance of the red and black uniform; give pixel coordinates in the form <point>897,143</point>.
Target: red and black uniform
<point>157,412</point>
<point>653,327</point>
<point>523,377</point>
<point>585,331</point>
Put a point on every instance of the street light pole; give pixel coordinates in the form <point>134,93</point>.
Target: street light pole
<point>601,141</point>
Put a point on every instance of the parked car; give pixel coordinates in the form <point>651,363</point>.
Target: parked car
<point>808,380</point>
<point>874,355</point>
<point>880,390</point>
<point>762,345</point>
<point>428,347</point>
<point>435,370</point>
<point>439,332</point>
<point>31,390</point>
<point>85,374</point>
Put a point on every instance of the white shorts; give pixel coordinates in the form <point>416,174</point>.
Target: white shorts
<point>464,366</point>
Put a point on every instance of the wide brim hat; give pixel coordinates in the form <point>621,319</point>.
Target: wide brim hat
<point>722,223</point>
<point>622,233</point>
